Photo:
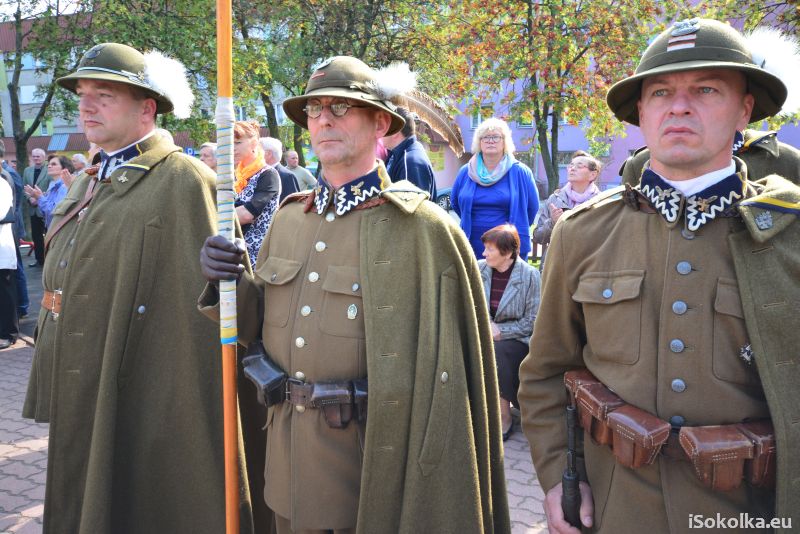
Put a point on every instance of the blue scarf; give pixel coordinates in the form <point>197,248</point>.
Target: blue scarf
<point>479,174</point>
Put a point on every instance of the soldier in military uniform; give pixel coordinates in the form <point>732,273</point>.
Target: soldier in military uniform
<point>362,279</point>
<point>669,311</point>
<point>125,372</point>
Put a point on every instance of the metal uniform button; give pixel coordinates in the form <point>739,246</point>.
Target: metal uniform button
<point>679,307</point>
<point>445,377</point>
<point>300,342</point>
<point>356,287</point>
<point>676,345</point>
<point>330,217</point>
<point>72,241</point>
<point>300,375</point>
<point>677,420</point>
<point>607,293</point>
<point>274,277</point>
<point>300,408</point>
<point>141,309</point>
<point>684,267</point>
<point>62,263</point>
<point>320,246</point>
<point>313,277</point>
<point>678,385</point>
<point>305,311</point>
<point>687,234</point>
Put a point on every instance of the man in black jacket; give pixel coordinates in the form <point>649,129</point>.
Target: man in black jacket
<point>273,151</point>
<point>407,157</point>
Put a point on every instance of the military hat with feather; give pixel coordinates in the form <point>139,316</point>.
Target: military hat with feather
<point>765,57</point>
<point>160,77</point>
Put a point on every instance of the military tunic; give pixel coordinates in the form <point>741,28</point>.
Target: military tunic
<point>650,304</point>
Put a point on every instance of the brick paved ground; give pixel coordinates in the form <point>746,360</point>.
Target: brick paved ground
<point>23,448</point>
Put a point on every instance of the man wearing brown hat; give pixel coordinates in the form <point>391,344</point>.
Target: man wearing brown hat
<point>370,308</point>
<point>124,371</point>
<point>669,312</point>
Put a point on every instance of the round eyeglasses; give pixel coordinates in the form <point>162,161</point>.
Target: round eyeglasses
<point>339,109</point>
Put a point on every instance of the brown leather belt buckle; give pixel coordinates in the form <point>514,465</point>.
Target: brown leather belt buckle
<point>51,301</point>
<point>298,392</point>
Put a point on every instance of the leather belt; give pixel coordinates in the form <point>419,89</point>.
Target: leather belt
<point>51,301</point>
<point>299,393</point>
<point>672,448</point>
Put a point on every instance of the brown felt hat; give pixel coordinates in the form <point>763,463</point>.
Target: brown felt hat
<point>114,62</point>
<point>344,77</point>
<point>692,45</point>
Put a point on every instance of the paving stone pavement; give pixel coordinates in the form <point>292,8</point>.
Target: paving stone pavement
<point>23,447</point>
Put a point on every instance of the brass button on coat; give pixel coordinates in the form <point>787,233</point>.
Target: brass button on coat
<point>678,385</point>
<point>300,342</point>
<point>607,293</point>
<point>679,307</point>
<point>305,311</point>
<point>676,345</point>
<point>356,287</point>
<point>313,277</point>
<point>330,217</point>
<point>684,267</point>
<point>320,246</point>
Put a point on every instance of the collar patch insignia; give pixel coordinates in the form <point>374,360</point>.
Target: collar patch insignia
<point>764,220</point>
<point>122,177</point>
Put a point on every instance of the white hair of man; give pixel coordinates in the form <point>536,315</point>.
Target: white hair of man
<point>80,157</point>
<point>273,146</point>
<point>38,152</point>
<point>212,146</point>
<point>493,124</point>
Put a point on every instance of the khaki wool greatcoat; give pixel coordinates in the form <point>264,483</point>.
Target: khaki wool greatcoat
<point>128,375</point>
<point>432,458</point>
<point>623,304</point>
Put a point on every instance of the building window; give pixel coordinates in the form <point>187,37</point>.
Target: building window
<point>29,62</point>
<point>525,120</point>
<point>563,157</point>
<point>44,129</point>
<point>28,94</point>
<point>479,115</point>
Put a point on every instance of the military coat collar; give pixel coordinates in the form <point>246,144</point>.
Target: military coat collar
<point>352,194</point>
<point>148,153</point>
<point>717,200</point>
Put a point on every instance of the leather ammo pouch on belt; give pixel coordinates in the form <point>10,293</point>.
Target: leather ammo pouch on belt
<point>360,390</point>
<point>593,401</point>
<point>335,399</point>
<point>723,455</point>
<point>269,379</point>
<point>638,435</point>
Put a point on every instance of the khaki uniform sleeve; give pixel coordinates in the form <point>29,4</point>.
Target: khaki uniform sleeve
<point>556,347</point>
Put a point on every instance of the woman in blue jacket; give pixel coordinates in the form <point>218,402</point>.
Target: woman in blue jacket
<point>494,188</point>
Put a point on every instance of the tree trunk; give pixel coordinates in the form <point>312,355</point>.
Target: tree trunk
<point>297,143</point>
<point>272,119</point>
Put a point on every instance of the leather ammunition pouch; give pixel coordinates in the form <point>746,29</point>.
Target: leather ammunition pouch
<point>337,400</point>
<point>721,455</point>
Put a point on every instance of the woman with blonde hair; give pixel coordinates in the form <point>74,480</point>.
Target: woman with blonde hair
<point>257,186</point>
<point>495,188</point>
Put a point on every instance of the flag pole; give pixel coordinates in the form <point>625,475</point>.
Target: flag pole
<point>227,289</point>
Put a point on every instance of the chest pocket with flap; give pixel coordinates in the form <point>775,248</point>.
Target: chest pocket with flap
<point>279,274</point>
<point>342,305</point>
<point>612,308</point>
<point>730,337</point>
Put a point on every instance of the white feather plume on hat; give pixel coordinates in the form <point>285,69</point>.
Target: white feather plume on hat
<point>167,76</point>
<point>394,81</point>
<point>779,54</point>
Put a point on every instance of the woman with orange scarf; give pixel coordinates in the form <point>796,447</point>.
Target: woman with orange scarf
<point>257,187</point>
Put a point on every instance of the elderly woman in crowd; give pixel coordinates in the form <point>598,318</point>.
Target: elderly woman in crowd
<point>79,162</point>
<point>512,288</point>
<point>494,188</point>
<point>60,170</point>
<point>582,171</point>
<point>257,186</point>
<point>208,155</point>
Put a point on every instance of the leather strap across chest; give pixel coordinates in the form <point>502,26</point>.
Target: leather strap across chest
<point>73,212</point>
